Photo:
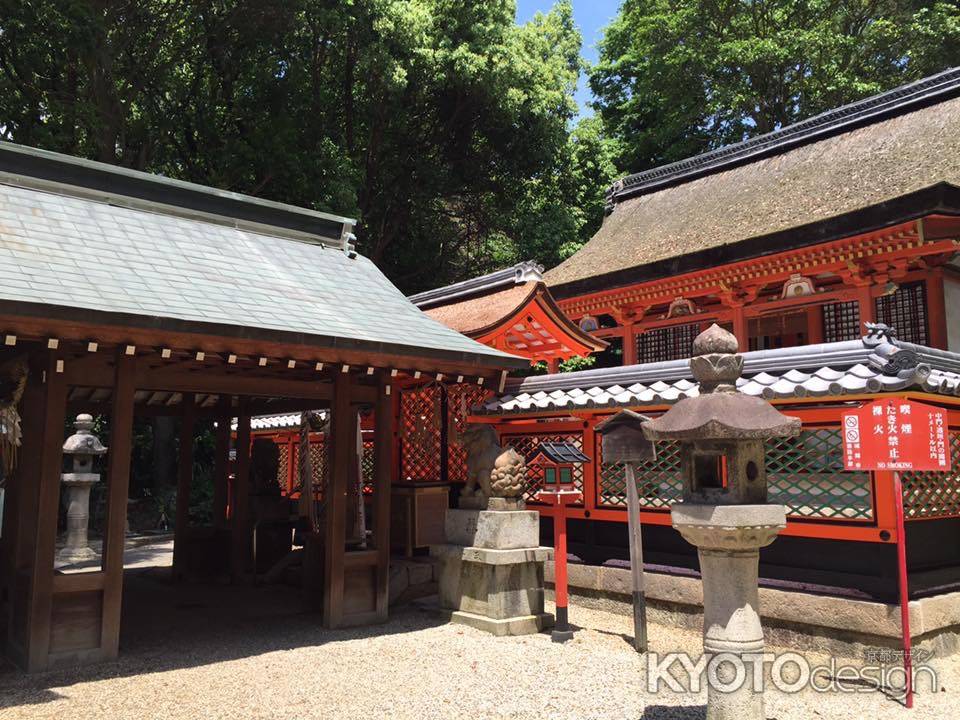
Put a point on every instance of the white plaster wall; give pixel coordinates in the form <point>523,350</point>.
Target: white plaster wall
<point>951,297</point>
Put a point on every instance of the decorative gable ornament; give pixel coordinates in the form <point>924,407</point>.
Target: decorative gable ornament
<point>681,307</point>
<point>588,323</point>
<point>798,286</point>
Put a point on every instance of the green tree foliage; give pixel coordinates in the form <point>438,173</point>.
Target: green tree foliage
<point>441,124</point>
<point>677,77</point>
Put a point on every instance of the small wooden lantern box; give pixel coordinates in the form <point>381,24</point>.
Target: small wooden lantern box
<point>623,439</point>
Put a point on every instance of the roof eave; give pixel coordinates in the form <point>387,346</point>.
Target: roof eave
<point>490,361</point>
<point>898,101</point>
<point>941,198</point>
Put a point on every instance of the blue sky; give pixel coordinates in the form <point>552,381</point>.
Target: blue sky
<point>591,17</point>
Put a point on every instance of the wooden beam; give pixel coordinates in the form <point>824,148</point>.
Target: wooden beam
<point>221,462</point>
<point>208,380</point>
<point>241,528</point>
<point>94,371</point>
<point>118,485</point>
<point>188,416</point>
<point>383,462</point>
<point>44,541</point>
<point>80,330</point>
<point>342,453</point>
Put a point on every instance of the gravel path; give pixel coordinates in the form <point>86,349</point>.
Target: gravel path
<point>198,652</point>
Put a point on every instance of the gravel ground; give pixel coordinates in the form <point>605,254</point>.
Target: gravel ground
<point>196,652</point>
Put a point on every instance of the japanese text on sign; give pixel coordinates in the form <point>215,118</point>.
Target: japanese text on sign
<point>896,434</point>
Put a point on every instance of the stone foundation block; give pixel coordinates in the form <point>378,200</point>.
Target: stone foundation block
<point>495,529</point>
<point>526,625</point>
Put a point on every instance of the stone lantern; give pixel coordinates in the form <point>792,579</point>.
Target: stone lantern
<point>83,446</point>
<point>725,513</point>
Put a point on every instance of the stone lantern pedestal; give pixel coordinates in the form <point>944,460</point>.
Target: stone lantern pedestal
<point>76,548</point>
<point>82,446</point>
<point>728,539</point>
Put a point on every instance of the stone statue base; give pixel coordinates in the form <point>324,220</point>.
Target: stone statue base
<point>491,570</point>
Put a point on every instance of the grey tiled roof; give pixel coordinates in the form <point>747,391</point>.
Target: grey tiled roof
<point>82,253</point>
<point>874,364</point>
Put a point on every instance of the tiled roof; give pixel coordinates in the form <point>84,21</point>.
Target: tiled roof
<point>79,252</point>
<point>561,452</point>
<point>274,422</point>
<point>874,364</point>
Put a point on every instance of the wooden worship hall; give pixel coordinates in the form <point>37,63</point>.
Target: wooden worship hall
<point>124,294</point>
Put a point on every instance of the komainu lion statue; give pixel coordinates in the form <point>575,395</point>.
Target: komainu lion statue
<point>492,470</point>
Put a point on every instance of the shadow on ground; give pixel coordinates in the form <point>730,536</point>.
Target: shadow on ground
<point>675,712</point>
<point>168,626</point>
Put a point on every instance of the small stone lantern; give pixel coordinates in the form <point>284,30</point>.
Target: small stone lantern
<point>83,446</point>
<point>724,512</point>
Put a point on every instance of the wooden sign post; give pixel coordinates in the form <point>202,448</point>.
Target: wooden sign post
<point>636,562</point>
<point>624,442</point>
<point>897,434</point>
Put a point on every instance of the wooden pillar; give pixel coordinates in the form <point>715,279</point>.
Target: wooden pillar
<point>936,309</point>
<point>188,417</point>
<point>867,307</point>
<point>241,528</point>
<point>629,344</point>
<point>118,486</point>
<point>43,540</point>
<point>383,460</point>
<point>741,328</point>
<point>814,324</point>
<point>221,463</point>
<point>341,455</point>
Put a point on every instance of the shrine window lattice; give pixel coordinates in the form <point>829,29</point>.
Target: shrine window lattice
<point>422,433</point>
<point>934,494</point>
<point>841,321</point>
<point>666,343</point>
<point>906,312</point>
<point>527,444</point>
<point>804,473</point>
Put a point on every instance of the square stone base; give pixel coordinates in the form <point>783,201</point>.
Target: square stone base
<point>521,625</point>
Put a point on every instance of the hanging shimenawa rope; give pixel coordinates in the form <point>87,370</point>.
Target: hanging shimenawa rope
<point>13,380</point>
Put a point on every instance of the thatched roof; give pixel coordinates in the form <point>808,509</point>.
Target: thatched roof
<point>846,161</point>
<point>514,300</point>
<point>474,315</point>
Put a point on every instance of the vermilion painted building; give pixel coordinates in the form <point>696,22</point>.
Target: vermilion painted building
<point>793,240</point>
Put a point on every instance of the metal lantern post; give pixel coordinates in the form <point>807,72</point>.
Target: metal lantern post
<point>624,442</point>
<point>558,459</point>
